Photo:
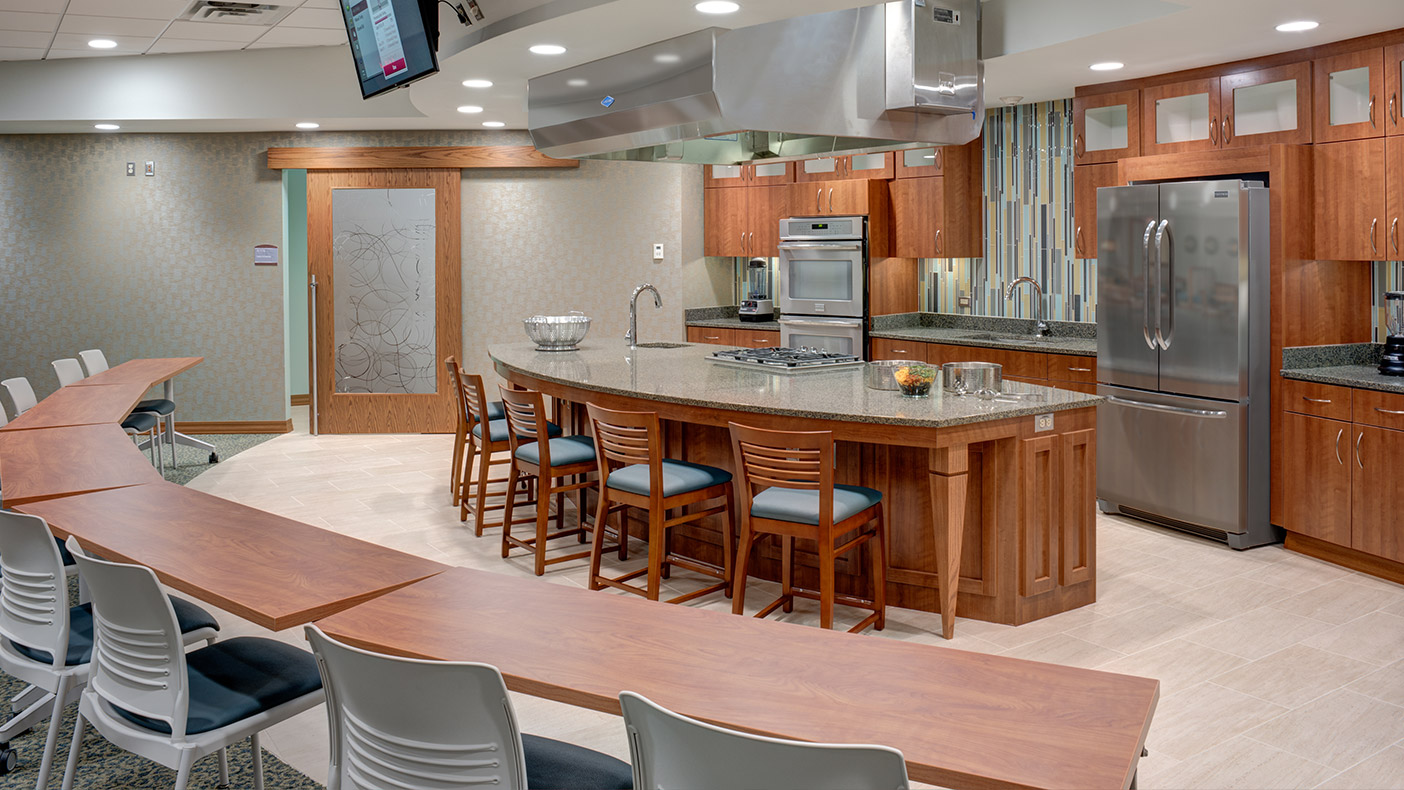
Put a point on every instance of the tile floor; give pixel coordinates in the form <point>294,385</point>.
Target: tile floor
<point>1276,670</point>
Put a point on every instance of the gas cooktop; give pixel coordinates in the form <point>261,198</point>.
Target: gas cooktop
<point>786,360</point>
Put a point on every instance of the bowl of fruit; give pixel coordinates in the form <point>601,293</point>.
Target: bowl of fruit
<point>915,380</point>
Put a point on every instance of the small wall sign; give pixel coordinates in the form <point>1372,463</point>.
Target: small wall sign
<point>266,255</point>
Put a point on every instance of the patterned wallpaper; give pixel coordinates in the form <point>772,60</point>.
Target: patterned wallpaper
<point>1028,224</point>
<point>162,266</point>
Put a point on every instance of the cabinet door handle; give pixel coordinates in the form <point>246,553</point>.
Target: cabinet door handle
<point>1316,400</point>
<point>1214,130</point>
<point>1079,149</point>
<point>939,157</point>
<point>938,242</point>
<point>1339,459</point>
<point>899,351</point>
<point>818,196</point>
<point>1389,411</point>
<point>1393,117</point>
<point>1077,239</point>
<point>751,244</point>
<point>1394,234</point>
<point>1358,462</point>
<point>1375,248</point>
<point>1371,111</point>
<point>1228,129</point>
<point>743,243</point>
<point>1079,370</point>
<point>831,200</point>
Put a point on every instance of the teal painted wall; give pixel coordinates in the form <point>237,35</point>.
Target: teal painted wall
<point>295,255</point>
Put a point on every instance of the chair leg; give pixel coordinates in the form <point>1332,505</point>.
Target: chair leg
<point>787,568</point>
<point>580,507</point>
<point>623,532</point>
<point>729,541</point>
<point>826,581</point>
<point>508,510</point>
<point>878,550</point>
<point>666,570</point>
<point>465,478</point>
<point>657,550</point>
<point>543,524</point>
<point>187,761</point>
<point>743,558</point>
<point>224,767</point>
<point>46,763</point>
<point>597,542</point>
<point>484,465</point>
<point>72,768</point>
<point>257,761</point>
<point>456,468</point>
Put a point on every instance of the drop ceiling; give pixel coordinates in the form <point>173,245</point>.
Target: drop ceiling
<point>1035,49</point>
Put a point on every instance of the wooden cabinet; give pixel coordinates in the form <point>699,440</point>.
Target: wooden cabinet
<point>768,205</point>
<point>1181,117</point>
<point>880,166</point>
<point>1394,197</point>
<point>1382,409</point>
<point>884,348</point>
<point>711,334</point>
<point>1316,477</point>
<point>744,222</point>
<point>941,216</point>
<point>756,338</point>
<point>1064,368</point>
<point>920,162</point>
<point>1394,89</point>
<point>753,174</point>
<point>918,217</point>
<point>1350,200</point>
<point>1347,96</point>
<point>1017,365</point>
<point>715,176</point>
<point>771,173</point>
<point>1267,106</point>
<point>1086,181</point>
<point>823,168</point>
<point>1106,127</point>
<point>1377,488</point>
<point>1316,400</point>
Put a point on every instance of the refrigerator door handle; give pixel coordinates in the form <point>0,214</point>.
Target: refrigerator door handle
<point>1145,257</point>
<point>1212,414</point>
<point>1163,235</point>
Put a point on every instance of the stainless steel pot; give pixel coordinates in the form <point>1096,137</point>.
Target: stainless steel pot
<point>971,377</point>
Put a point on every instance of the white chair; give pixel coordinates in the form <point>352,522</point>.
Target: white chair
<point>424,725</point>
<point>670,750</point>
<point>43,641</point>
<point>94,360</point>
<point>164,410</point>
<point>146,695</point>
<point>68,371</point>
<point>21,394</point>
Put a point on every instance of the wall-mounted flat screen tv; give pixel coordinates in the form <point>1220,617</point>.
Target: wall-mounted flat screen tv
<point>394,42</point>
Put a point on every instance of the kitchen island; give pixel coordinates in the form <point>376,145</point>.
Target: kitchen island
<point>1001,492</point>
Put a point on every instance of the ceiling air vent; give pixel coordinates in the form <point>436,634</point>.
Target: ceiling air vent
<point>228,12</point>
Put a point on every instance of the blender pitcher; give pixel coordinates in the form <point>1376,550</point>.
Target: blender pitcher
<point>1392,364</point>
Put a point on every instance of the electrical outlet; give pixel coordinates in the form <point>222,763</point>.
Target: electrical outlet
<point>131,168</point>
<point>963,301</point>
<point>658,252</point>
<point>1043,422</point>
<point>151,168</point>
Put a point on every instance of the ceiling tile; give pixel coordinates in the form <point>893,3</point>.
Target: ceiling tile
<point>213,31</point>
<point>24,38</point>
<point>20,53</point>
<point>125,44</point>
<point>168,44</point>
<point>165,10</point>
<point>315,17</point>
<point>35,6</point>
<point>284,36</point>
<point>88,52</point>
<point>112,26</point>
<point>24,20</point>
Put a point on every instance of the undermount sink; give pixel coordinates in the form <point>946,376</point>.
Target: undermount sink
<point>662,345</point>
<point>1011,338</point>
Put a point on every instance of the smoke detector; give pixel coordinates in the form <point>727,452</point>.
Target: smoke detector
<point>228,12</point>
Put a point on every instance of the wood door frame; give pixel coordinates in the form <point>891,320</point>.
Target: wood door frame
<point>387,413</point>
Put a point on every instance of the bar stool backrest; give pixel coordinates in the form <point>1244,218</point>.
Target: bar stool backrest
<point>68,371</point>
<point>525,411</point>
<point>625,438</point>
<point>455,375</point>
<point>474,398</point>
<point>21,394</point>
<point>785,459</point>
<point>670,750</point>
<point>34,595</point>
<point>94,360</point>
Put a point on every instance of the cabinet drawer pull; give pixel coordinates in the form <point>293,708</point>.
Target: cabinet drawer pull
<point>819,196</point>
<point>1394,234</point>
<point>1393,117</point>
<point>1079,370</point>
<point>899,351</point>
<point>1339,434</point>
<point>1388,411</point>
<point>938,242</point>
<point>1316,400</point>
<point>831,200</point>
<point>1358,462</point>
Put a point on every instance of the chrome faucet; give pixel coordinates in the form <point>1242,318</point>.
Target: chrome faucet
<point>632,336</point>
<point>1040,328</point>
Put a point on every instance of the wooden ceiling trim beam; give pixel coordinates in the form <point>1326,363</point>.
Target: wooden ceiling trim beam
<point>461,157</point>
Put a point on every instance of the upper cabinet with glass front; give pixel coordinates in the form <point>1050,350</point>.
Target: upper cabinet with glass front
<point>917,162</point>
<point>1349,96</point>
<point>1181,117</point>
<point>748,175</point>
<point>1106,127</point>
<point>1267,106</point>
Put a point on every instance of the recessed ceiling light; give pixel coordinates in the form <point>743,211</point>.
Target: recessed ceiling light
<point>494,124</point>
<point>470,109</point>
<point>667,57</point>
<point>548,49</point>
<point>477,83</point>
<point>717,7</point>
<point>102,43</point>
<point>106,127</point>
<point>1110,65</point>
<point>1298,26</point>
<point>308,125</point>
<point>1011,99</point>
<point>577,83</point>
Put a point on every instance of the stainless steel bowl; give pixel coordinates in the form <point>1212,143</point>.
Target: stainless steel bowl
<point>971,377</point>
<point>878,374</point>
<point>557,332</point>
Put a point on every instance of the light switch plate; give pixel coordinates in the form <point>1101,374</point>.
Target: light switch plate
<point>658,252</point>
<point>963,301</point>
<point>1043,422</point>
<point>151,168</point>
<point>131,168</point>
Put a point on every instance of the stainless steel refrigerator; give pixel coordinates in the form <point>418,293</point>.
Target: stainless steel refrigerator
<point>1182,357</point>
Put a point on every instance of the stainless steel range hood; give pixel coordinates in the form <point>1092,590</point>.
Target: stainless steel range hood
<point>899,75</point>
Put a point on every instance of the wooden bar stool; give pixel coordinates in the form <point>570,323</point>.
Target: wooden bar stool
<point>787,489</point>
<point>634,473</point>
<point>564,458</point>
<point>460,434</point>
<point>482,446</point>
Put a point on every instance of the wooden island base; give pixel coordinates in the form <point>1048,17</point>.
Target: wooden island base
<point>1015,505</point>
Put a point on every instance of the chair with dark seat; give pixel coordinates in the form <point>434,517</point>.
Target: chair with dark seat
<point>412,724</point>
<point>634,473</point>
<point>464,424</point>
<point>94,361</point>
<point>37,624</point>
<point>559,466</point>
<point>788,490</point>
<point>482,447</point>
<point>137,423</point>
<point>147,696</point>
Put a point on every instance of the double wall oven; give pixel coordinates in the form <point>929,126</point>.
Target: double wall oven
<point>823,283</point>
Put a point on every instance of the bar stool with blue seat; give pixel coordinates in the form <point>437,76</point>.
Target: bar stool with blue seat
<point>412,724</point>
<point>633,472</point>
<point>485,447</point>
<point>464,424</point>
<point>147,696</point>
<point>788,490</point>
<point>94,361</point>
<point>45,642</point>
<point>549,460</point>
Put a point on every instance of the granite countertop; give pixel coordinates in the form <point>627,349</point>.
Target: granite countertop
<point>1074,346</point>
<point>1365,377</point>
<point>685,376</point>
<point>737,323</point>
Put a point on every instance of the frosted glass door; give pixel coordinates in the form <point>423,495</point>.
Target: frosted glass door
<point>384,274</point>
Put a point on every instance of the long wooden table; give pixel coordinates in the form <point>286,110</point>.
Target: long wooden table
<point>94,405</point>
<point>142,371</point>
<point>44,463</point>
<point>271,570</point>
<point>961,719</point>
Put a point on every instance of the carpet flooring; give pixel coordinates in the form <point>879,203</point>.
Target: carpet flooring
<point>190,461</point>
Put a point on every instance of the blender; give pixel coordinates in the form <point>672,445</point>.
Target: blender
<point>757,306</point>
<point>1392,364</point>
